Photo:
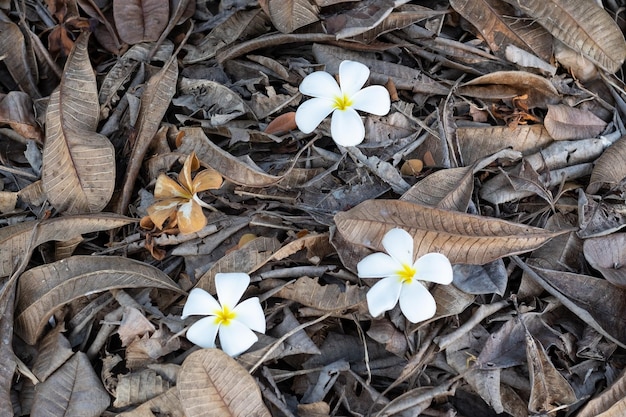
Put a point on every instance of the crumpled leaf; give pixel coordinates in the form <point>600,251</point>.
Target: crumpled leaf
<point>607,254</point>
<point>609,168</point>
<point>16,110</point>
<point>78,163</point>
<point>212,384</point>
<point>21,66</point>
<point>44,289</point>
<point>73,390</point>
<point>582,25</point>
<point>19,240</point>
<point>481,279</point>
<point>463,238</point>
<point>567,123</point>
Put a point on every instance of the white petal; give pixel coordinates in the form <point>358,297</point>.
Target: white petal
<point>352,77</point>
<point>373,99</point>
<point>203,332</point>
<point>434,267</point>
<point>250,313</point>
<point>383,296</point>
<point>377,265</point>
<point>416,302</point>
<point>311,113</point>
<point>346,127</point>
<point>320,84</point>
<point>236,338</point>
<point>399,245</point>
<point>230,287</point>
<point>200,302</point>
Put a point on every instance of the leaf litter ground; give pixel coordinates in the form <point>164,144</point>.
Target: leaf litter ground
<point>503,150</point>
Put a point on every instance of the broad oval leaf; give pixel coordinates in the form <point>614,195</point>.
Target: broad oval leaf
<point>44,289</point>
<point>609,167</point>
<point>140,20</point>
<point>607,254</point>
<point>19,240</point>
<point>78,164</point>
<point>289,15</point>
<point>463,238</point>
<point>212,384</point>
<point>564,122</point>
<point>582,25</point>
<point>72,390</point>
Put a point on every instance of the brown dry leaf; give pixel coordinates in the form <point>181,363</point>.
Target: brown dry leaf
<point>134,325</point>
<point>595,301</point>
<point>404,77</point>
<point>282,124</point>
<point>78,164</point>
<point>583,26</point>
<point>16,110</point>
<point>463,238</point>
<point>155,99</point>
<point>212,384</point>
<point>449,189</point>
<point>289,15</point>
<point>309,292</point>
<point>140,20</point>
<point>167,404</point>
<point>498,25</point>
<point>609,168</point>
<point>19,240</point>
<point>239,25</point>
<point>610,403</point>
<point>73,390</point>
<point>246,259</point>
<point>42,290</point>
<point>478,142</point>
<point>53,351</point>
<point>230,167</point>
<point>20,63</point>
<point>607,254</point>
<point>506,85</point>
<point>549,388</point>
<point>139,387</point>
<point>568,123</point>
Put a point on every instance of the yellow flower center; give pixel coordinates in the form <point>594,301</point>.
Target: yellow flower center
<point>342,102</point>
<point>224,316</point>
<point>407,273</point>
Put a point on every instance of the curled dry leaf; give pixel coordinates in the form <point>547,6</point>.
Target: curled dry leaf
<point>73,390</point>
<point>607,254</point>
<point>212,384</point>
<point>78,164</point>
<point>498,25</point>
<point>19,240</point>
<point>449,189</point>
<point>463,238</point>
<point>582,25</point>
<point>564,122</point>
<point>609,168</point>
<point>20,63</point>
<point>140,20</point>
<point>610,403</point>
<point>506,85</point>
<point>16,110</point>
<point>42,290</point>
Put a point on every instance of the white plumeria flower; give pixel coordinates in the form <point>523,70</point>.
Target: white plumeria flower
<point>401,277</point>
<point>234,322</point>
<point>342,100</point>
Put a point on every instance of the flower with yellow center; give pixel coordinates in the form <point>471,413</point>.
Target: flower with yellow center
<point>401,277</point>
<point>342,100</point>
<point>179,201</point>
<point>233,322</point>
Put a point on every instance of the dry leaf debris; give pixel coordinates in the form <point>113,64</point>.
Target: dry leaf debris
<point>401,277</point>
<point>342,100</point>
<point>226,316</point>
<point>515,109</point>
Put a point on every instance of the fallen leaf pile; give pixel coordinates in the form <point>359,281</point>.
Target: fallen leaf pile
<point>147,146</point>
